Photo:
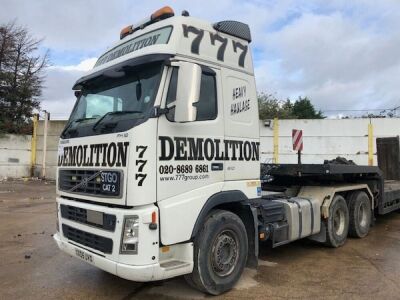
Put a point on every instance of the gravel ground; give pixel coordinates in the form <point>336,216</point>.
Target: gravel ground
<point>32,267</point>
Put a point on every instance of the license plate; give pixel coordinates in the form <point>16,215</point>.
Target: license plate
<point>110,183</point>
<point>94,217</point>
<point>83,255</point>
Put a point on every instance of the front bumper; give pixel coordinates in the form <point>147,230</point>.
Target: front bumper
<point>149,264</point>
<point>135,273</point>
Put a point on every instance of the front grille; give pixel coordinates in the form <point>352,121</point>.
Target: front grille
<point>91,240</point>
<point>81,215</point>
<point>91,182</point>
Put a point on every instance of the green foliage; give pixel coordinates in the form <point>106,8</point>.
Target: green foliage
<point>270,107</point>
<point>21,77</point>
<point>303,109</point>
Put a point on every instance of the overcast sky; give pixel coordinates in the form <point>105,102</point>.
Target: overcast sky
<point>343,55</point>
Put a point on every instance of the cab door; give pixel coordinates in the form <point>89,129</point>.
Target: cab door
<point>189,153</point>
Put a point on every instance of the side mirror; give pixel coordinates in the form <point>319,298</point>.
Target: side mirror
<point>78,93</point>
<point>188,92</point>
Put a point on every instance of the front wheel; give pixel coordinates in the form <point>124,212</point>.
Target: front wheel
<point>220,253</point>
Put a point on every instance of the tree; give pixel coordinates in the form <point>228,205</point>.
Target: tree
<point>270,107</point>
<point>21,77</point>
<point>303,109</point>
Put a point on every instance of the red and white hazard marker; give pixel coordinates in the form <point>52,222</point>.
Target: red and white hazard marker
<point>297,139</point>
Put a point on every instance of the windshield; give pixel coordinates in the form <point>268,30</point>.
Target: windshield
<point>115,101</point>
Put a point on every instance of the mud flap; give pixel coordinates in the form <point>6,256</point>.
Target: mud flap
<point>252,256</point>
<point>321,236</point>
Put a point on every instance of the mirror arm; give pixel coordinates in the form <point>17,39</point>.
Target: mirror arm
<point>158,111</point>
<point>78,93</point>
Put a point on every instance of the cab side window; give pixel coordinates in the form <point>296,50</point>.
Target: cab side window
<point>207,104</point>
<point>171,95</point>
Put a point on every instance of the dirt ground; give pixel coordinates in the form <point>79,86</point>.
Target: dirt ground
<point>32,267</point>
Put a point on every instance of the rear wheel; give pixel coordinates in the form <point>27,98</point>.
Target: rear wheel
<point>220,253</point>
<point>337,224</point>
<point>360,214</point>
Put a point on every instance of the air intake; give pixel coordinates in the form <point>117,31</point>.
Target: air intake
<point>234,28</point>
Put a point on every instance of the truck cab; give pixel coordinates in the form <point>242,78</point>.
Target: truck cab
<point>164,130</point>
<point>159,170</point>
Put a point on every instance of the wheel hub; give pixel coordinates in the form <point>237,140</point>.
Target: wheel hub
<point>339,222</point>
<point>362,215</point>
<point>225,253</point>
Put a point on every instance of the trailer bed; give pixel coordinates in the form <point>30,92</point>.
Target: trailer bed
<point>386,192</point>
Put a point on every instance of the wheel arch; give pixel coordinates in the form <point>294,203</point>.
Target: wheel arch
<point>344,191</point>
<point>367,191</point>
<point>347,195</point>
<point>236,202</point>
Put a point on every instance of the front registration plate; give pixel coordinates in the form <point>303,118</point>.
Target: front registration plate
<point>94,217</point>
<point>83,255</point>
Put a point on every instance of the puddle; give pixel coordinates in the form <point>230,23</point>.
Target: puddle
<point>247,280</point>
<point>266,263</point>
<point>176,289</point>
<point>179,289</point>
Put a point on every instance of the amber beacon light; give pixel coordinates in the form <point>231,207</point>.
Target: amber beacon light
<point>158,15</point>
<point>162,13</point>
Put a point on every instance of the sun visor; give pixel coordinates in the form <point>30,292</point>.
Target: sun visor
<point>118,67</point>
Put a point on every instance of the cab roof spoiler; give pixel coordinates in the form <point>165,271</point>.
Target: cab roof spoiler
<point>234,28</point>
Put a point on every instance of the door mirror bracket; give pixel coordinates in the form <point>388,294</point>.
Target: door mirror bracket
<point>158,111</point>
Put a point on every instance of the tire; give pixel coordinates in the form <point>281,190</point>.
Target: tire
<point>337,225</point>
<point>360,214</point>
<point>220,253</point>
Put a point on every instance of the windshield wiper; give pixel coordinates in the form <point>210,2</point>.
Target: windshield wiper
<point>74,121</point>
<point>122,112</point>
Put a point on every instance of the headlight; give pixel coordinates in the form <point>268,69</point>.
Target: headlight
<point>130,235</point>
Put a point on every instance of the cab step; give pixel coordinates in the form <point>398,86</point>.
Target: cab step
<point>174,264</point>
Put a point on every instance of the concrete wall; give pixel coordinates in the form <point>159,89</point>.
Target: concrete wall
<point>323,139</point>
<point>15,155</point>
<point>15,152</point>
<point>53,134</point>
<point>326,139</point>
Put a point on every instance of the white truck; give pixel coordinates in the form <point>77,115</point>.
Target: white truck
<point>159,170</point>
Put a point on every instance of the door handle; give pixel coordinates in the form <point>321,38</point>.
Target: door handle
<point>217,166</point>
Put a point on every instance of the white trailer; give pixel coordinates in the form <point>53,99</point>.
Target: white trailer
<point>158,168</point>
